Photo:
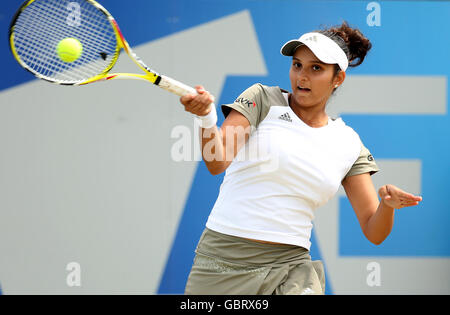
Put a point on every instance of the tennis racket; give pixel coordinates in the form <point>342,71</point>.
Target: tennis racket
<point>39,26</point>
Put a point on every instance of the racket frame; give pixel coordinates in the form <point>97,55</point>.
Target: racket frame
<point>150,75</point>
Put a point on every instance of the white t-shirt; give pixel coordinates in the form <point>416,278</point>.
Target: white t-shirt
<point>284,172</point>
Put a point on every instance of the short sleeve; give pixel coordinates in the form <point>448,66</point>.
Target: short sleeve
<point>365,163</point>
<point>248,104</point>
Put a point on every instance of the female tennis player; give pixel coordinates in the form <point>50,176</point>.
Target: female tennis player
<point>257,237</point>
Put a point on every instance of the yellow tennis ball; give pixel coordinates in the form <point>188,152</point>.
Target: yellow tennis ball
<point>69,49</point>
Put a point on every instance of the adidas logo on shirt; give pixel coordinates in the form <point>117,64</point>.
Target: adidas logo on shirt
<point>286,117</point>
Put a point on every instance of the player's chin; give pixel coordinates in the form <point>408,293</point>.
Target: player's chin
<point>303,99</point>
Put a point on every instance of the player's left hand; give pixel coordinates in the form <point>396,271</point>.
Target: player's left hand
<point>396,198</point>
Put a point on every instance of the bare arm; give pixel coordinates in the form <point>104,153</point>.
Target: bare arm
<point>375,217</point>
<point>219,145</point>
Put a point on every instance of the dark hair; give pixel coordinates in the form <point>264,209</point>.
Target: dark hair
<point>351,40</point>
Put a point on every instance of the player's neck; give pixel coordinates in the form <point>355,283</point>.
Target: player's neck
<point>313,116</point>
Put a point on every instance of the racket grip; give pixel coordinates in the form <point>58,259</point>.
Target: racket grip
<point>175,86</point>
<point>181,89</point>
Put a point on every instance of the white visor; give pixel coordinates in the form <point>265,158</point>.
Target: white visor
<point>325,49</point>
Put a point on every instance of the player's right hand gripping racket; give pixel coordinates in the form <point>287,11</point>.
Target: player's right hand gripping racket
<point>39,27</point>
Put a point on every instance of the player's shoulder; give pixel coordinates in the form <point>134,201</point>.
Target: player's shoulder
<point>339,124</point>
<point>346,138</point>
<point>268,94</point>
<point>268,89</point>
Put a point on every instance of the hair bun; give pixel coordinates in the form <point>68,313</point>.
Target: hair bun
<point>357,44</point>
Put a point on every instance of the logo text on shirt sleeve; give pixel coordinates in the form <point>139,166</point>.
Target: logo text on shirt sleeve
<point>245,101</point>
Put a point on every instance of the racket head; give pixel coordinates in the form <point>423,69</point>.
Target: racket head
<point>40,25</point>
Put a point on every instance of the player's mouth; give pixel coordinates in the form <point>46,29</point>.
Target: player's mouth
<point>303,89</point>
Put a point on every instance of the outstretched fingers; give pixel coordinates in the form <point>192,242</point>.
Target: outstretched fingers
<point>397,198</point>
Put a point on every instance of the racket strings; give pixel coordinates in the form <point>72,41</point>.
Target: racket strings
<point>44,23</point>
<point>44,51</point>
<point>93,41</point>
<point>41,51</point>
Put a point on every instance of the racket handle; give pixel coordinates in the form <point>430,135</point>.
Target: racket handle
<point>175,86</point>
<point>181,89</point>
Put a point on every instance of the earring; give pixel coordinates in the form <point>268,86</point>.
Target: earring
<point>336,86</point>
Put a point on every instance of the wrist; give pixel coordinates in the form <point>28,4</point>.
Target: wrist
<point>385,205</point>
<point>210,119</point>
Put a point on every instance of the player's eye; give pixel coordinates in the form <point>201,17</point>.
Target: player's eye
<point>317,68</point>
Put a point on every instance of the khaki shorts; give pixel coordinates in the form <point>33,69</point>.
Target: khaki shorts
<point>226,264</point>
